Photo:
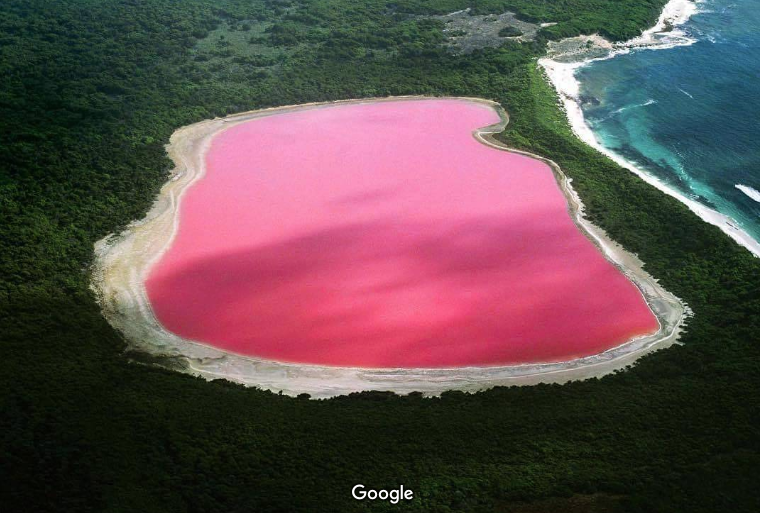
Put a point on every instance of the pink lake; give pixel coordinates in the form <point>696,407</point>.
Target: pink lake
<point>385,235</point>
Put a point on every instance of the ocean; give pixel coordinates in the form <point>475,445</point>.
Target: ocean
<point>686,110</point>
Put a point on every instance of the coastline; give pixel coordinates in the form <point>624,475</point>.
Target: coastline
<point>122,263</point>
<point>567,56</point>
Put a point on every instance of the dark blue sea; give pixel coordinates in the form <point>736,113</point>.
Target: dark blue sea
<point>690,115</point>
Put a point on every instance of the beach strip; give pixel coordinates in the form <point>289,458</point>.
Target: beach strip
<point>560,69</point>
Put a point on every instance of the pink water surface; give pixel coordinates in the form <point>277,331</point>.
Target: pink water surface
<point>385,235</point>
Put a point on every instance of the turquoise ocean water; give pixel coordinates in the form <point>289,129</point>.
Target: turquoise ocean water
<point>689,115</point>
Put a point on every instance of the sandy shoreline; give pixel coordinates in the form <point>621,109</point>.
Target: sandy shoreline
<point>564,60</point>
<point>122,263</point>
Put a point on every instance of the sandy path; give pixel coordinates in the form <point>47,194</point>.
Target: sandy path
<point>122,263</point>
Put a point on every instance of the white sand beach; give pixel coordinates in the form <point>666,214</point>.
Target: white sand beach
<point>561,67</point>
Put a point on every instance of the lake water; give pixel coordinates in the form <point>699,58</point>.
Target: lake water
<point>385,235</point>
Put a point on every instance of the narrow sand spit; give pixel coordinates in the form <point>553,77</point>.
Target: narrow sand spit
<point>123,261</point>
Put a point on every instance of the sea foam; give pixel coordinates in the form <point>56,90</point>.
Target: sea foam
<point>749,191</point>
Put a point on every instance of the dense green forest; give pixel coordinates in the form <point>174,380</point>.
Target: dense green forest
<point>90,91</point>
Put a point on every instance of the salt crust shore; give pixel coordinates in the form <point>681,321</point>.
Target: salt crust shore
<point>122,262</point>
<point>563,62</point>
